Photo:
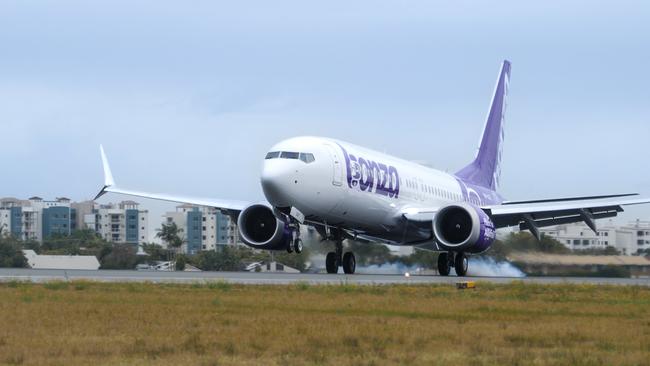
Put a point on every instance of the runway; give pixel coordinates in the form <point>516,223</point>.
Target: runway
<point>45,275</point>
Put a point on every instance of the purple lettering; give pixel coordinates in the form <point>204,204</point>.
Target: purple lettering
<point>374,167</point>
<point>366,182</point>
<point>364,173</point>
<point>381,182</point>
<point>394,182</point>
<point>355,172</point>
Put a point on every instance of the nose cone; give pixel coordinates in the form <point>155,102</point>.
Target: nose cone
<point>276,182</point>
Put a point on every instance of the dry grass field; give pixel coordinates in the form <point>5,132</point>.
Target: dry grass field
<point>83,323</point>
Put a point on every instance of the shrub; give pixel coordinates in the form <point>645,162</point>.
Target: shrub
<point>11,255</point>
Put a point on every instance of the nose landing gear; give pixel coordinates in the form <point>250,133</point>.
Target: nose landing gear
<point>448,260</point>
<point>295,244</point>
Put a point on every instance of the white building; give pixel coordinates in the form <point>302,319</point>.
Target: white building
<point>628,238</point>
<point>5,221</point>
<point>84,210</point>
<point>36,219</point>
<point>120,223</point>
<point>36,261</point>
<point>202,228</point>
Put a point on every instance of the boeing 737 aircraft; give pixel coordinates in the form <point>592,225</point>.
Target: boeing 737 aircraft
<point>346,191</point>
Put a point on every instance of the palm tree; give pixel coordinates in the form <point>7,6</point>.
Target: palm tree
<point>171,234</point>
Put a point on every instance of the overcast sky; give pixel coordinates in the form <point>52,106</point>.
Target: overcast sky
<point>187,96</point>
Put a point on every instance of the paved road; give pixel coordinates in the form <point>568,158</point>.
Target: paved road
<point>9,274</point>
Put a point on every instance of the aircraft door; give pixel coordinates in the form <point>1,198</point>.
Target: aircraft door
<point>337,176</point>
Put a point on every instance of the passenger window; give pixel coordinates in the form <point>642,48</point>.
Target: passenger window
<point>273,155</point>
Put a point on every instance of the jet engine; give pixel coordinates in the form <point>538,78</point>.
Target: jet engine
<point>261,229</point>
<point>462,227</point>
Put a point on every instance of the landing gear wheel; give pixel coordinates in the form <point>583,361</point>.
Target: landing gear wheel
<point>289,248</point>
<point>349,263</point>
<point>297,246</point>
<point>330,263</point>
<point>443,264</point>
<point>461,264</point>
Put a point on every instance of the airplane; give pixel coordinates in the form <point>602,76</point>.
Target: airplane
<point>346,191</point>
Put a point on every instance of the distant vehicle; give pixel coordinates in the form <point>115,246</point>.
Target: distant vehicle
<point>164,266</point>
<point>270,267</point>
<point>144,267</point>
<point>346,191</point>
<point>253,266</point>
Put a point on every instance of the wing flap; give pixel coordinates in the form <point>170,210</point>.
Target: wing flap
<point>570,199</point>
<point>511,218</point>
<point>531,215</point>
<point>560,206</point>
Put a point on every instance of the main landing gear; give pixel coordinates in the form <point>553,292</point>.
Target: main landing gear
<point>448,260</point>
<point>334,259</point>
<point>337,259</point>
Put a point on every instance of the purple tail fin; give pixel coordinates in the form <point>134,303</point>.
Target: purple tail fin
<point>485,170</point>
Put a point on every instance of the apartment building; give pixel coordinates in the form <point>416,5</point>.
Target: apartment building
<point>203,228</point>
<point>628,238</point>
<point>38,219</point>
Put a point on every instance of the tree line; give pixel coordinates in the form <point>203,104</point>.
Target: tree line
<point>235,258</point>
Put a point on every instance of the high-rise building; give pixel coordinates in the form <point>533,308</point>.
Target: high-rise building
<point>203,228</point>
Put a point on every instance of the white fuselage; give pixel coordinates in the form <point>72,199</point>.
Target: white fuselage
<point>354,188</point>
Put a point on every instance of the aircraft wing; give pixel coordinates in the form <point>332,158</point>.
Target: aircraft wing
<point>228,206</point>
<point>532,215</point>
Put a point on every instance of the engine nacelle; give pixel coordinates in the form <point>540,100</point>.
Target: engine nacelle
<point>463,227</point>
<point>261,229</point>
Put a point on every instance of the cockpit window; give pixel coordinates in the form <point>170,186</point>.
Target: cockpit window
<point>289,155</point>
<point>306,158</point>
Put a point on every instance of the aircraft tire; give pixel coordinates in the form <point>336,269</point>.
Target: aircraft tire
<point>461,264</point>
<point>297,246</point>
<point>443,264</point>
<point>349,263</point>
<point>330,263</point>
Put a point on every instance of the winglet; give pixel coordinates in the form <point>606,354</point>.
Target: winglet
<point>108,176</point>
